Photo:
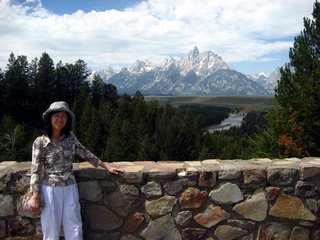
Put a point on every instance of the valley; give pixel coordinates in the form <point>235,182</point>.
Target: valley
<point>236,103</point>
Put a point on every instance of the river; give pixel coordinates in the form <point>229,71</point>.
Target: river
<point>233,120</point>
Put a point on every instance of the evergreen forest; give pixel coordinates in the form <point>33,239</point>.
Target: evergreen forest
<point>129,128</point>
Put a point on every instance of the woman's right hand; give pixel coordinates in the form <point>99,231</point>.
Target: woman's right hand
<point>35,202</point>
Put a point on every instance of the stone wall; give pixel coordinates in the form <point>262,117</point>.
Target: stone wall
<point>258,199</point>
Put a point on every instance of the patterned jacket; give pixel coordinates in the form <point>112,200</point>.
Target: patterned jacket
<point>58,161</point>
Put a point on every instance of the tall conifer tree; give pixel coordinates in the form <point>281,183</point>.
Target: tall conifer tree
<point>295,121</point>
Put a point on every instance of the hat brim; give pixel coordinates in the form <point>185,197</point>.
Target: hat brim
<point>70,113</point>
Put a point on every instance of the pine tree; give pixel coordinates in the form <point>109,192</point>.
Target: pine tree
<point>2,82</point>
<point>97,89</point>
<point>16,87</point>
<point>43,87</point>
<point>76,77</point>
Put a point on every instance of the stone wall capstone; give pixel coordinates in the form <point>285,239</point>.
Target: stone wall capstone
<point>256,199</point>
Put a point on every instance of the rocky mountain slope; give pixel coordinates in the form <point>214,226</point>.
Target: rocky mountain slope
<point>194,74</point>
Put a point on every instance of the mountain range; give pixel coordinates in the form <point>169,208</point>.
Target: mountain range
<point>196,73</point>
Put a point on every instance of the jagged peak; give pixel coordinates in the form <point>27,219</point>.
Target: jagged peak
<point>168,62</point>
<point>141,66</point>
<point>194,52</point>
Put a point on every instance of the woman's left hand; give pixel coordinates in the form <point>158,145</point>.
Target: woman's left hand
<point>115,170</point>
<point>111,169</point>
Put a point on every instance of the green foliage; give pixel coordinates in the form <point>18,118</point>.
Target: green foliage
<point>15,144</point>
<point>264,143</point>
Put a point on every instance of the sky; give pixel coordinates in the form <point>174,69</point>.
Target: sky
<point>251,36</point>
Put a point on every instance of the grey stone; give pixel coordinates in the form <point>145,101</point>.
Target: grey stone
<point>92,173</point>
<point>248,237</point>
<point>122,203</point>
<point>160,206</point>
<point>90,191</point>
<point>299,233</point>
<point>167,231</point>
<point>228,174</point>
<point>183,218</point>
<point>246,224</point>
<point>306,224</point>
<point>173,187</point>
<point>130,192</point>
<point>129,237</point>
<point>161,175</point>
<point>152,189</point>
<point>5,176</point>
<point>275,231</point>
<point>21,182</point>
<point>282,176</point>
<point>226,232</point>
<point>313,204</point>
<point>2,228</point>
<point>101,218</point>
<point>103,236</point>
<point>131,177</point>
<point>6,205</point>
<point>305,189</point>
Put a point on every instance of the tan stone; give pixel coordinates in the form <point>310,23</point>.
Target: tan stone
<point>254,208</point>
<point>193,163</point>
<point>192,198</point>
<point>226,193</point>
<point>134,168</point>
<point>172,164</point>
<point>211,216</point>
<point>291,207</point>
<point>254,176</point>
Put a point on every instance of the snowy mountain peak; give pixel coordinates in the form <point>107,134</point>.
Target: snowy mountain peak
<point>169,63</point>
<point>261,75</point>
<point>142,66</point>
<point>203,64</point>
<point>193,53</point>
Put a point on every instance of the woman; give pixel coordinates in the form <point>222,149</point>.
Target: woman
<point>58,184</point>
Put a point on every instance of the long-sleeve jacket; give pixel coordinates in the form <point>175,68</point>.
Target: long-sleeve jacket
<point>58,158</point>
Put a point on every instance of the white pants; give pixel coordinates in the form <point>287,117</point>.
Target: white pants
<point>62,207</point>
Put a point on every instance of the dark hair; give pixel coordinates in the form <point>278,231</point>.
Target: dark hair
<point>48,126</point>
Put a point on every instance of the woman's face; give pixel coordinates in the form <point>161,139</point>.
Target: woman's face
<point>59,120</point>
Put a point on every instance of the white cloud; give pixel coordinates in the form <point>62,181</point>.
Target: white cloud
<point>237,30</point>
